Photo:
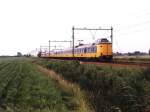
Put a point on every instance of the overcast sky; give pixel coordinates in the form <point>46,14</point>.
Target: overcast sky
<point>27,24</point>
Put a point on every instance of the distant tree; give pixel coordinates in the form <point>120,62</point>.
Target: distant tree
<point>19,54</point>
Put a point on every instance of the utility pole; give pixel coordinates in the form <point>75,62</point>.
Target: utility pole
<point>49,46</point>
<point>40,48</point>
<point>73,41</point>
<point>111,35</point>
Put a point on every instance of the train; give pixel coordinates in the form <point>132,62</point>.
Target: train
<point>101,50</point>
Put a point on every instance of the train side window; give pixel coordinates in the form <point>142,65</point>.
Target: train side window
<point>84,50</point>
<point>92,49</point>
<point>88,50</point>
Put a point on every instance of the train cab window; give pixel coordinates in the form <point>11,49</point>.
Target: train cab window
<point>104,40</point>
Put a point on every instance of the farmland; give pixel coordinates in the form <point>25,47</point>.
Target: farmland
<point>23,88</point>
<point>40,85</point>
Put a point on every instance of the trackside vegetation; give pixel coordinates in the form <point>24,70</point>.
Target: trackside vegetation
<point>107,89</point>
<point>23,88</point>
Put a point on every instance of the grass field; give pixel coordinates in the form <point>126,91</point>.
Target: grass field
<point>23,88</point>
<point>109,89</point>
<point>40,85</point>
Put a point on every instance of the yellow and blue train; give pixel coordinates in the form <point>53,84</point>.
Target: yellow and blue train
<point>100,50</point>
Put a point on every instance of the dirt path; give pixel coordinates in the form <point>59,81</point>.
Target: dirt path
<point>70,87</point>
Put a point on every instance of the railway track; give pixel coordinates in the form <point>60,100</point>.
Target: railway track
<point>140,63</point>
<point>120,64</point>
<point>114,63</point>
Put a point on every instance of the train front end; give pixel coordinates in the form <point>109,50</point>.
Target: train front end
<point>104,50</point>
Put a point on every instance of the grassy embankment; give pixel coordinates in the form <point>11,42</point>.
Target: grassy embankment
<point>144,58</point>
<point>23,88</point>
<point>107,89</point>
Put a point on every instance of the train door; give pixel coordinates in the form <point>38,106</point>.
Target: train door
<point>103,49</point>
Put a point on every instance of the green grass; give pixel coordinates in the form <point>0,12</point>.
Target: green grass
<point>24,89</point>
<point>107,88</point>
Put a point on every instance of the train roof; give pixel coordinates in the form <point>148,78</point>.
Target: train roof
<point>85,45</point>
